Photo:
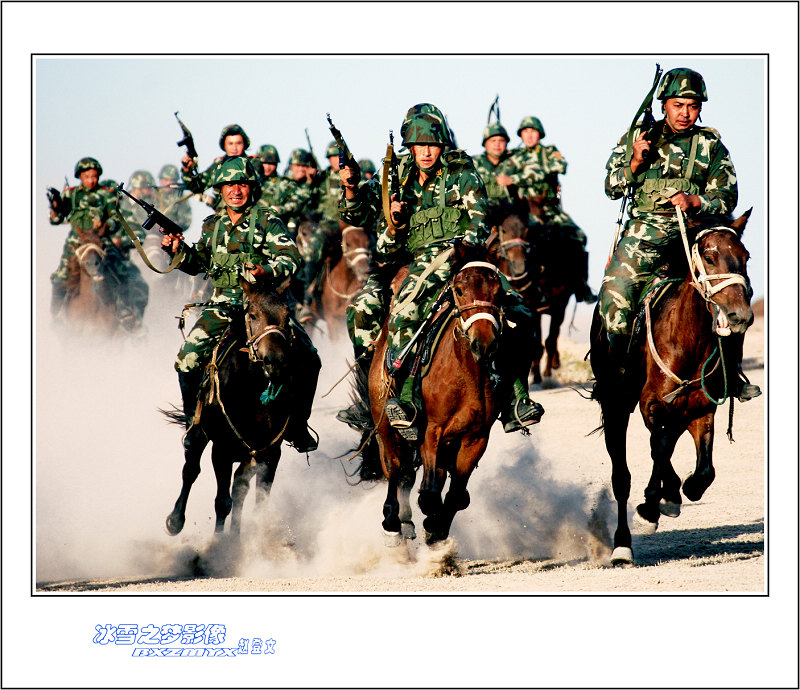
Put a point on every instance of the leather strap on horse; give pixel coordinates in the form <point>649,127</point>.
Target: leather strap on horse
<point>176,260</point>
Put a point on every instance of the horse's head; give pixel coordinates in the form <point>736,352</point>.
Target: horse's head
<point>719,264</point>
<point>267,328</point>
<point>355,250</point>
<point>90,253</point>
<point>510,250</point>
<point>476,291</point>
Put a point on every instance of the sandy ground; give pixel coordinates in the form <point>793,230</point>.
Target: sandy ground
<point>527,529</point>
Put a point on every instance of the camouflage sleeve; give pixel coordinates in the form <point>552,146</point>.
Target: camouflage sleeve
<point>619,176</point>
<point>280,256</point>
<point>721,190</point>
<point>555,161</point>
<point>200,182</point>
<point>366,208</point>
<point>290,200</point>
<point>471,195</point>
<point>525,170</point>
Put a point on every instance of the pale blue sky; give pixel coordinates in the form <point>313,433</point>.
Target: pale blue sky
<point>120,110</point>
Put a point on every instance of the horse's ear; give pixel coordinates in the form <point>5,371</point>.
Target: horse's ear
<point>741,221</point>
<point>247,287</point>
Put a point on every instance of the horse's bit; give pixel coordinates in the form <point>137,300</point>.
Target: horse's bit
<point>478,304</point>
<point>253,341</point>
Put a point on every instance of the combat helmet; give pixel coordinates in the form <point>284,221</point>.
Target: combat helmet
<point>433,115</point>
<point>239,169</point>
<point>332,150</point>
<point>533,123</point>
<point>141,178</point>
<point>88,163</point>
<point>233,130</point>
<point>301,157</point>
<point>269,154</point>
<point>168,172</point>
<point>682,82</point>
<point>493,131</point>
<point>367,166</point>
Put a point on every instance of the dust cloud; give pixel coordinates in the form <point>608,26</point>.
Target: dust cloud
<point>108,471</point>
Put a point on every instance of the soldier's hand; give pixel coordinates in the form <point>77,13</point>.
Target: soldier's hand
<point>257,271</point>
<point>397,210</point>
<point>117,242</point>
<point>504,180</point>
<point>170,243</point>
<point>685,201</point>
<point>348,176</point>
<point>641,147</point>
<point>187,162</point>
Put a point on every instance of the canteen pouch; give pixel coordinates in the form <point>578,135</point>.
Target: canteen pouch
<point>435,224</point>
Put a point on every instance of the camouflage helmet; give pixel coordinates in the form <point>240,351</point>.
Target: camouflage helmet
<point>682,83</point>
<point>533,123</point>
<point>493,131</point>
<point>301,157</point>
<point>233,130</point>
<point>332,150</point>
<point>425,109</point>
<point>108,183</point>
<point>141,178</point>
<point>238,169</point>
<point>88,163</point>
<point>269,154</point>
<point>367,166</point>
<point>168,172</point>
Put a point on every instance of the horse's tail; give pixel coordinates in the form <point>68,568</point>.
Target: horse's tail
<point>370,467</point>
<point>174,416</point>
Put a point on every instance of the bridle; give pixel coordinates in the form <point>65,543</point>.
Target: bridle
<point>252,341</point>
<point>494,314</point>
<point>356,255</point>
<point>503,246</point>
<point>83,251</point>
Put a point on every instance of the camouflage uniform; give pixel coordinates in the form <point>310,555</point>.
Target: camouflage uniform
<point>172,200</point>
<point>228,253</point>
<point>279,194</point>
<point>652,228</point>
<point>81,207</point>
<point>450,204</point>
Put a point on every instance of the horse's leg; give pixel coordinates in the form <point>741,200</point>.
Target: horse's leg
<point>241,485</point>
<point>663,438</point>
<point>222,470</point>
<point>430,490</point>
<point>390,457</point>
<point>538,348</point>
<point>553,361</point>
<point>405,483</point>
<point>615,428</point>
<point>457,497</point>
<point>191,470</point>
<point>702,431</point>
<point>265,474</point>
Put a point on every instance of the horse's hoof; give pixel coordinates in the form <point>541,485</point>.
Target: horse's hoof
<point>622,557</point>
<point>669,508</point>
<point>407,530</point>
<point>392,540</point>
<point>694,487</point>
<point>643,525</point>
<point>174,524</point>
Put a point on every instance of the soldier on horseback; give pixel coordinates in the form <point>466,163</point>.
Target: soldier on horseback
<point>441,199</point>
<point>89,207</point>
<point>242,241</point>
<point>278,193</point>
<point>534,169</point>
<point>675,164</point>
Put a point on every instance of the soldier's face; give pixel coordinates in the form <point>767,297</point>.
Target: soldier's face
<point>530,137</point>
<point>269,168</point>
<point>682,113</point>
<point>234,145</point>
<point>334,161</point>
<point>496,145</point>
<point>235,194</point>
<point>89,178</point>
<point>426,155</point>
<point>298,172</point>
<point>166,182</point>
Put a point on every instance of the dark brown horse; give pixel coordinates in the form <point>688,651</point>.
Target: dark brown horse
<point>678,373</point>
<point>90,305</point>
<point>461,403</point>
<point>344,273</point>
<point>245,413</point>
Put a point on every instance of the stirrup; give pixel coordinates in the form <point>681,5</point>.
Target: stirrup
<point>748,391</point>
<point>399,421</point>
<point>521,418</point>
<point>350,416</point>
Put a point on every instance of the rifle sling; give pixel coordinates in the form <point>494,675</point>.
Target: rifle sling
<point>176,260</point>
<point>387,162</point>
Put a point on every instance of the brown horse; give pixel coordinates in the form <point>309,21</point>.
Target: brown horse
<point>685,367</point>
<point>90,305</point>
<point>461,403</point>
<point>246,412</point>
<point>344,273</point>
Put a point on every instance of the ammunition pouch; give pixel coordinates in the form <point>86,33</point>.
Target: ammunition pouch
<point>226,268</point>
<point>83,219</point>
<point>435,224</point>
<point>655,192</point>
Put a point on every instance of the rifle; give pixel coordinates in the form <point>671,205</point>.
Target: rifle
<point>652,131</point>
<point>187,141</point>
<point>311,148</point>
<point>390,181</point>
<point>57,202</point>
<point>154,216</point>
<point>346,159</point>
<point>443,297</point>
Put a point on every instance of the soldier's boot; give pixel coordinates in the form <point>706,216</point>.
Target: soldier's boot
<point>584,293</point>
<point>352,415</point>
<point>304,379</point>
<point>402,411</point>
<point>520,411</point>
<point>746,390</point>
<point>57,299</point>
<point>307,277</point>
<point>189,382</point>
<point>618,345</point>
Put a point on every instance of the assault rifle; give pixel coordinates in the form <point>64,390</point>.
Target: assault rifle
<point>390,181</point>
<point>154,216</point>
<point>346,159</point>
<point>187,141</point>
<point>311,149</point>
<point>57,202</point>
